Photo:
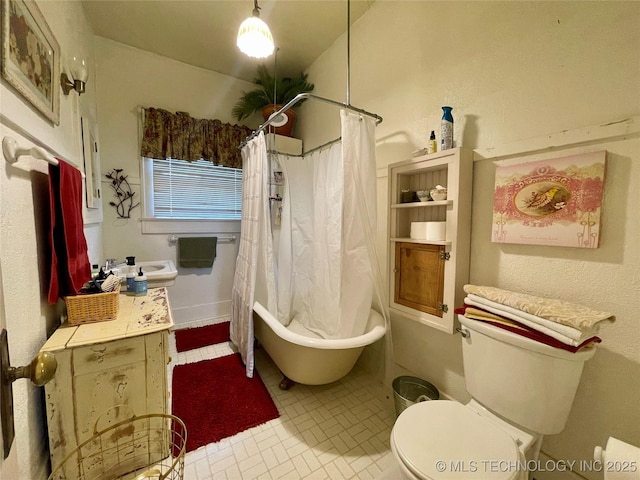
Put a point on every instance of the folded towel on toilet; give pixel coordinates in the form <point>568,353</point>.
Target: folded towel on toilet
<point>572,315</point>
<point>476,313</point>
<point>569,335</point>
<point>512,326</point>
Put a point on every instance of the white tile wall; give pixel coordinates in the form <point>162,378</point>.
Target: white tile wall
<point>335,431</point>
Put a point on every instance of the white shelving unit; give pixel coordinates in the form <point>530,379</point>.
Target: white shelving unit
<point>426,277</point>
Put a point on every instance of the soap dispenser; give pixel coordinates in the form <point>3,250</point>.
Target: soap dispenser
<point>131,275</point>
<point>140,284</point>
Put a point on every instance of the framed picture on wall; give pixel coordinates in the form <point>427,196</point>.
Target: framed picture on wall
<point>31,56</point>
<point>554,202</point>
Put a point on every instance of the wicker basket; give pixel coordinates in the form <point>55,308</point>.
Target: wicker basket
<point>96,307</point>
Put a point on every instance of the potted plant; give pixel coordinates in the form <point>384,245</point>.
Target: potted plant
<point>272,93</point>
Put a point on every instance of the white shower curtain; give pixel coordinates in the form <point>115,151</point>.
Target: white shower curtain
<point>325,275</point>
<point>359,220</point>
<point>255,246</point>
<point>310,241</point>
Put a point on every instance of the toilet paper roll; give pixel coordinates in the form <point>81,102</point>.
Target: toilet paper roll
<point>620,460</point>
<point>418,230</point>
<point>436,231</point>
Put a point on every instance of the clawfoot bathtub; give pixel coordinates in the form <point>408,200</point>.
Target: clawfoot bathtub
<point>306,358</point>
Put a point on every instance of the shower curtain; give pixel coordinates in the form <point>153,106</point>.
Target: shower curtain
<point>325,277</point>
<point>255,234</point>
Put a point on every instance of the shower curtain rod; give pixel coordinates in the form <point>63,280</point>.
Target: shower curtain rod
<point>295,100</point>
<point>308,152</point>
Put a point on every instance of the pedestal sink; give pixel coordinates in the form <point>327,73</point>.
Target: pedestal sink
<point>160,273</point>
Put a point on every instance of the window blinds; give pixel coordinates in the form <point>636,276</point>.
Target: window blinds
<point>192,190</point>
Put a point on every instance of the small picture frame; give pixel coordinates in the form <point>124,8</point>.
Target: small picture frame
<point>278,178</point>
<point>31,56</point>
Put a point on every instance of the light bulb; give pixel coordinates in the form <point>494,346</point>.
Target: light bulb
<point>254,38</point>
<point>78,69</point>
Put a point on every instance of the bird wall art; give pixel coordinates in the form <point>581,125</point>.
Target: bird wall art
<point>556,201</point>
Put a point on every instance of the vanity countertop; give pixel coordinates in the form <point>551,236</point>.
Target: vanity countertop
<point>136,316</point>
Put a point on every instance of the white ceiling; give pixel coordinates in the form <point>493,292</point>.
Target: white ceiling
<point>203,32</point>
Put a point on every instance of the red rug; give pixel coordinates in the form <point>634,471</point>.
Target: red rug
<point>216,400</point>
<point>190,338</point>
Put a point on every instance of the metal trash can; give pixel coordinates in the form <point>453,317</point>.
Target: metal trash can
<point>410,390</point>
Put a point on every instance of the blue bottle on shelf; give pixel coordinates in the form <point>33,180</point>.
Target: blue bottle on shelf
<point>446,133</point>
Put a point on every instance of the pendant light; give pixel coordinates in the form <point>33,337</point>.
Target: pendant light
<point>254,37</point>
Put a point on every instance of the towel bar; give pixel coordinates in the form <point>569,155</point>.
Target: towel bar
<point>12,152</point>
<point>173,239</point>
<point>229,239</point>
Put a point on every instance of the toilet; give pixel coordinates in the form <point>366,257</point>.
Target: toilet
<point>520,389</point>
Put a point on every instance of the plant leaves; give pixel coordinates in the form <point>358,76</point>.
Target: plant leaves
<point>286,89</point>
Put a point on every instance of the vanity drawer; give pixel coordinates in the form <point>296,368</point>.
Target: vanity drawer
<point>103,356</point>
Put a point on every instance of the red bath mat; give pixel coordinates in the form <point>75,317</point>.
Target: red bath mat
<point>216,400</point>
<point>190,338</point>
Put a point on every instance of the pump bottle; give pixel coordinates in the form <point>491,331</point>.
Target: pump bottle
<point>131,275</point>
<point>140,284</point>
<point>432,146</point>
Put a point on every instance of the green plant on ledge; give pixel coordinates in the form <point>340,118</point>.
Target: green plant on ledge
<point>286,89</point>
<point>124,194</point>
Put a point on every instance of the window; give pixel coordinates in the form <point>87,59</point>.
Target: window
<point>179,190</point>
<point>196,190</point>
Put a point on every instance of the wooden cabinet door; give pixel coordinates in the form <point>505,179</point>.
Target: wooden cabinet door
<point>419,277</point>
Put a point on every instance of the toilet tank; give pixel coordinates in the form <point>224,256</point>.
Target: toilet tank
<point>526,382</point>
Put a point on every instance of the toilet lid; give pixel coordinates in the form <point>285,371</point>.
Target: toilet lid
<point>444,439</point>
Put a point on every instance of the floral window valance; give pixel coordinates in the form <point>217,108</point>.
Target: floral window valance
<point>177,135</point>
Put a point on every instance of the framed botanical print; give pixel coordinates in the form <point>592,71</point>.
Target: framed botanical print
<point>31,56</point>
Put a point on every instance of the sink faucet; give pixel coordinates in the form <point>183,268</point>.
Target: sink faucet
<point>111,263</point>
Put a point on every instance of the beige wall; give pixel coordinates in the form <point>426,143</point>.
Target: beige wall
<point>127,79</point>
<point>513,71</point>
<point>24,209</point>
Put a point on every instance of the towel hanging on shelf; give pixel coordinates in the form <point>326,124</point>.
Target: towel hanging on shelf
<point>197,252</point>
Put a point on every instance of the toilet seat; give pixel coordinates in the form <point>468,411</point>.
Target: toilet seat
<point>443,439</point>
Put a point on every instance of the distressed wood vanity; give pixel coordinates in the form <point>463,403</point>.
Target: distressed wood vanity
<point>104,364</point>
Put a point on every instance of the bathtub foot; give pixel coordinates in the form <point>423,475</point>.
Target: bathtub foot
<point>286,383</point>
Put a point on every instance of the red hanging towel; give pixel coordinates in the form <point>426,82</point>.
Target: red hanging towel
<point>70,267</point>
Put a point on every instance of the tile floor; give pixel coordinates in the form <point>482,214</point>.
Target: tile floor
<point>336,431</point>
